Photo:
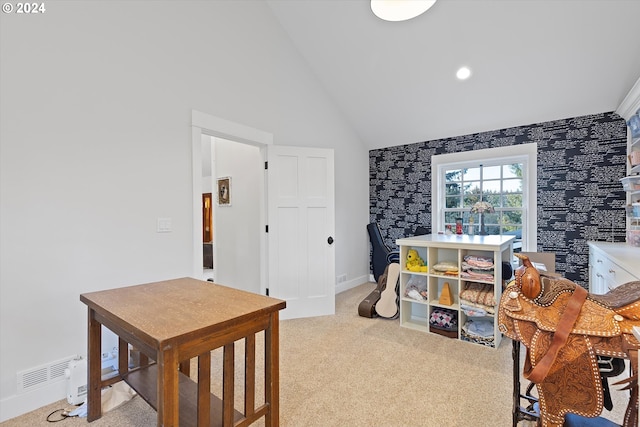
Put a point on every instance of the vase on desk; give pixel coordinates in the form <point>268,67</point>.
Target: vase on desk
<point>481,208</point>
<point>482,231</point>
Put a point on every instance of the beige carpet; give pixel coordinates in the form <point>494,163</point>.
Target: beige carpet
<point>346,370</point>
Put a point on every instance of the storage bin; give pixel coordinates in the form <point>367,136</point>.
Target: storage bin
<point>633,238</point>
<point>449,333</point>
<point>631,183</point>
<point>634,158</point>
<point>634,125</point>
<point>635,210</point>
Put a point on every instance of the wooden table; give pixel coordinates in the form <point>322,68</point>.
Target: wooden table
<point>172,322</point>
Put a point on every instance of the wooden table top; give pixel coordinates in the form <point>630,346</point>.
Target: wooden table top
<point>174,308</point>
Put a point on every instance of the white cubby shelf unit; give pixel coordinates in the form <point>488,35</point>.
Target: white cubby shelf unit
<point>439,248</point>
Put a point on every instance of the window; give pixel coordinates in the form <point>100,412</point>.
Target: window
<point>500,185</point>
<point>505,177</point>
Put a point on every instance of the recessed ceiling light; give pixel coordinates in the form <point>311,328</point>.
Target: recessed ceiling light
<point>463,73</point>
<point>400,10</point>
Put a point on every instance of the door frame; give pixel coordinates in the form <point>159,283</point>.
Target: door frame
<point>207,124</point>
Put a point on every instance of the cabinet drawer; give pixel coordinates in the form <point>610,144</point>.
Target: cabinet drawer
<point>619,276</point>
<point>599,263</point>
<point>612,273</point>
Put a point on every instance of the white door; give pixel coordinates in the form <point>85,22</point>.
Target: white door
<point>301,221</point>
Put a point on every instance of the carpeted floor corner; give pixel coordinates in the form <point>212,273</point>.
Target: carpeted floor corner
<point>347,370</point>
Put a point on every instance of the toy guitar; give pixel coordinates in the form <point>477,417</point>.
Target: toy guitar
<point>387,306</point>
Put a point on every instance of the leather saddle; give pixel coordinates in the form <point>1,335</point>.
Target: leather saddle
<point>565,329</point>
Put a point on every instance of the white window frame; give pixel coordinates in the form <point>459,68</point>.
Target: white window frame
<point>527,154</point>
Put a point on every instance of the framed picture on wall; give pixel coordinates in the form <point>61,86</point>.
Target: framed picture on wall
<point>224,191</point>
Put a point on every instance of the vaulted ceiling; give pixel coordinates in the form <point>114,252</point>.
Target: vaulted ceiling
<point>531,61</point>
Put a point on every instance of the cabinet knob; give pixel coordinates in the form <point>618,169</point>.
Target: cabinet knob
<point>612,271</point>
<point>598,260</point>
<point>598,275</point>
<point>330,240</point>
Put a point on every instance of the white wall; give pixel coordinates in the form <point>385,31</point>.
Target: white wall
<point>207,162</point>
<point>95,145</point>
<point>237,227</point>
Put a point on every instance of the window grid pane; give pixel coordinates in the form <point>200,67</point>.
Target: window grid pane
<point>500,185</point>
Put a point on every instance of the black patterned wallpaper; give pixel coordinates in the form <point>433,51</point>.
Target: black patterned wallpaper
<point>580,198</point>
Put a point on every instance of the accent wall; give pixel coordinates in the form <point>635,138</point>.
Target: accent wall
<point>580,198</point>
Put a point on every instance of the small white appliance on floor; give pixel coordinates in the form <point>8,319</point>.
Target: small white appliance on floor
<point>76,375</point>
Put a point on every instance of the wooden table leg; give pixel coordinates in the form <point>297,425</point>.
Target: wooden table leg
<point>185,367</point>
<point>271,368</point>
<point>94,368</point>
<point>167,387</point>
<point>144,359</point>
<point>123,357</point>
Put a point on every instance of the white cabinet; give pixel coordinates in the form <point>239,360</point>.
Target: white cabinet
<point>415,311</point>
<point>611,265</point>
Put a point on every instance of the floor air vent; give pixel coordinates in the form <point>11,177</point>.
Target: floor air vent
<point>42,375</point>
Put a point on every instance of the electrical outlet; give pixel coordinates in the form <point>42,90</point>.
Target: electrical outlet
<point>342,278</point>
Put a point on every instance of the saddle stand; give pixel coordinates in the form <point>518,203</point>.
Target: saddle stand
<point>565,329</point>
<point>609,367</point>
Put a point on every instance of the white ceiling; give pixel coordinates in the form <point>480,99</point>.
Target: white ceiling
<point>532,61</point>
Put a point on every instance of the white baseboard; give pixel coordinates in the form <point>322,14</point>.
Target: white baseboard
<point>20,404</point>
<point>349,284</point>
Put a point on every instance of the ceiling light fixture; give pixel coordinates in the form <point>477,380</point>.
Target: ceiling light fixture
<point>463,73</point>
<point>400,10</point>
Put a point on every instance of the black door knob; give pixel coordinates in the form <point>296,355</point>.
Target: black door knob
<point>330,240</point>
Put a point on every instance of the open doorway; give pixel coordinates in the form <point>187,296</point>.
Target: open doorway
<point>232,186</point>
<point>300,256</point>
<point>207,128</point>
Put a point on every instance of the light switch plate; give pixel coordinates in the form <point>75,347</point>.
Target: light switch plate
<point>164,225</point>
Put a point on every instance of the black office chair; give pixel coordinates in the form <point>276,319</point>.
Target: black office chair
<point>394,256</point>
<point>379,250</point>
<point>381,255</point>
<point>420,231</point>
